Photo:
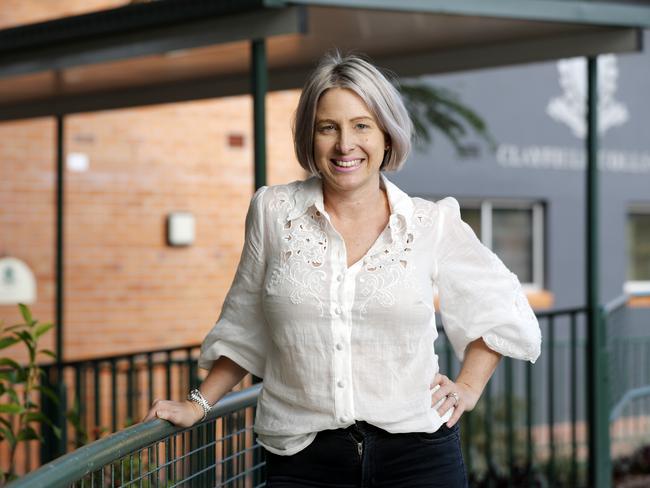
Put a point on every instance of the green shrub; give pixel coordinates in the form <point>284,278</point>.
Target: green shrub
<point>20,415</point>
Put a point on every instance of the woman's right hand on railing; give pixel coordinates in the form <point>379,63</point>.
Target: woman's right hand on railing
<point>182,414</point>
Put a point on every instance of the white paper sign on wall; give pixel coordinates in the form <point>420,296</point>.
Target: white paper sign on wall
<point>17,282</point>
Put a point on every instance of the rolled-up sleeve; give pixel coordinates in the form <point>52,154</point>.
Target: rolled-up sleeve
<point>478,295</point>
<point>240,333</point>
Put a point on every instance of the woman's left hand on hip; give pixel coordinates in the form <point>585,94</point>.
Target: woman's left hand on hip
<point>459,396</point>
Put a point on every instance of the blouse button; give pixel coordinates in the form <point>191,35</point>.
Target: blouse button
<point>343,419</point>
<point>337,310</point>
<point>339,347</point>
<point>340,383</point>
<point>339,278</point>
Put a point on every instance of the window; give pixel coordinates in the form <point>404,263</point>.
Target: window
<point>638,250</point>
<point>514,231</point>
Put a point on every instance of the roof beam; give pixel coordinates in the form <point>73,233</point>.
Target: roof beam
<point>570,11</point>
<point>217,30</point>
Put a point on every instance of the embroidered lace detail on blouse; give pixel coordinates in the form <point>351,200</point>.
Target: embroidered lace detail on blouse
<point>387,269</point>
<point>304,249</point>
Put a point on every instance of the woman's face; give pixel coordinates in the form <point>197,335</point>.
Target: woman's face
<point>349,146</point>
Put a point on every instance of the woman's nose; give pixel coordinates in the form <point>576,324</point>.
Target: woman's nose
<point>345,142</point>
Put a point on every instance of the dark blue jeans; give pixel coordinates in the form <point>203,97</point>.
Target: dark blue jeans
<point>365,456</point>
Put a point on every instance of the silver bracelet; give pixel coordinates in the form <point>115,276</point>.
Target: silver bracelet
<point>196,396</point>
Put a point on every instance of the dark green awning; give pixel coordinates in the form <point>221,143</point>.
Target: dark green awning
<point>174,50</point>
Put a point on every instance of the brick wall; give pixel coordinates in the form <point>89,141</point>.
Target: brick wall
<point>126,290</point>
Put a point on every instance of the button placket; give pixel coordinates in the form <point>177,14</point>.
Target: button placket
<point>344,390</point>
<point>343,409</point>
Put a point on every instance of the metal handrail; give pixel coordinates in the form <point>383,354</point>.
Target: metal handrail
<point>75,465</point>
<point>615,304</point>
<point>620,301</point>
<point>629,396</point>
<point>121,356</point>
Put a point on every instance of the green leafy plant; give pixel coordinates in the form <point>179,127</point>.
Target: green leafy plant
<point>19,413</point>
<point>434,107</point>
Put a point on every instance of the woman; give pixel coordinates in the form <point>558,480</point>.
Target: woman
<point>332,304</point>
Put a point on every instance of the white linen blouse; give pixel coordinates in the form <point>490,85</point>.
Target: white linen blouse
<point>336,344</point>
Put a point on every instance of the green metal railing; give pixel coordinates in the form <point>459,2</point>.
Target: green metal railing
<point>529,428</point>
<point>106,394</point>
<point>217,452</point>
<point>629,370</point>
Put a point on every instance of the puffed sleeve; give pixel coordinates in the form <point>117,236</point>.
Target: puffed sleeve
<point>240,333</point>
<point>478,295</point>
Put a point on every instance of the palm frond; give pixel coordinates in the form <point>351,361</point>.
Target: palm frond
<point>434,108</point>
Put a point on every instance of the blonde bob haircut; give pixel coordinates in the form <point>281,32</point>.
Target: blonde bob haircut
<point>379,94</point>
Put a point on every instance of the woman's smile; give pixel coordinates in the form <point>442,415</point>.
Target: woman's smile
<point>346,164</point>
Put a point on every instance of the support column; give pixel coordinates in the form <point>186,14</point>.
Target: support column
<point>56,412</point>
<point>597,370</point>
<point>259,82</point>
<point>60,180</point>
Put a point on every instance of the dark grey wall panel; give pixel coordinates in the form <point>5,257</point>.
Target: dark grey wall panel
<point>514,103</point>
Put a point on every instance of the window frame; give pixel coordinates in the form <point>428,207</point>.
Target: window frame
<point>634,287</point>
<point>538,208</point>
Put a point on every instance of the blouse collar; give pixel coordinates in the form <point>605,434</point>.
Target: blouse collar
<point>310,194</point>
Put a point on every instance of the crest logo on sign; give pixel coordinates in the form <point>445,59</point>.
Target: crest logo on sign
<point>570,107</point>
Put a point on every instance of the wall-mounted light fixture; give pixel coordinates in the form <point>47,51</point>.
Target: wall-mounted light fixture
<point>180,229</point>
<point>17,282</point>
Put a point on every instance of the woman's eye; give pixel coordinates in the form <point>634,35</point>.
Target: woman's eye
<point>326,128</point>
<point>362,126</point>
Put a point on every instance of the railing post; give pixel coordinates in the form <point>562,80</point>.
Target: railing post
<point>597,370</point>
<point>49,408</point>
<point>259,82</point>
<point>53,446</point>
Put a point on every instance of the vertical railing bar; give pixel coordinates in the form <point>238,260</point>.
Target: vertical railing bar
<point>191,371</point>
<point>114,395</point>
<point>184,465</point>
<point>79,405</point>
<point>574,401</point>
<point>169,455</point>
<point>63,396</point>
<point>448,358</point>
<point>488,429</point>
<point>466,434</point>
<point>168,372</point>
<point>150,464</point>
<point>509,418</point>
<point>140,468</point>
<point>551,399</point>
<point>130,390</point>
<point>635,406</point>
<point>204,454</point>
<point>156,460</point>
<point>227,447</point>
<point>175,451</point>
<point>241,443</point>
<point>150,378</point>
<point>647,375</point>
<point>97,400</point>
<point>529,423</point>
<point>130,465</point>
